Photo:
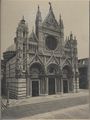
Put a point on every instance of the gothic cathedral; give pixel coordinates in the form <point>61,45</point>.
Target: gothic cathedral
<point>42,63</point>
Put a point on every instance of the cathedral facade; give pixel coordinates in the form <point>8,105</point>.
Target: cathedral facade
<point>42,62</point>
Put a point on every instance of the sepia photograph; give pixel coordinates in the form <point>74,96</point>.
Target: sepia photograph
<point>45,59</point>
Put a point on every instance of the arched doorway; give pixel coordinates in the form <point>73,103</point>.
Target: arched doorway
<point>52,71</point>
<point>36,70</point>
<point>67,73</point>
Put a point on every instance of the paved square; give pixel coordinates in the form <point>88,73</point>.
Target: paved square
<point>73,105</point>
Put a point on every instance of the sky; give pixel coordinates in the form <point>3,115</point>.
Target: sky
<point>75,15</point>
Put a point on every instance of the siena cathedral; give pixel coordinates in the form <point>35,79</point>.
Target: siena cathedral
<point>42,62</point>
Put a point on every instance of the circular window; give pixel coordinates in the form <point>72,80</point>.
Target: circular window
<point>51,42</point>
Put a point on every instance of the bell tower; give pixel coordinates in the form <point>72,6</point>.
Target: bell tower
<point>21,45</point>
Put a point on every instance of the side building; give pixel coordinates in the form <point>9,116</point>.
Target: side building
<point>83,73</point>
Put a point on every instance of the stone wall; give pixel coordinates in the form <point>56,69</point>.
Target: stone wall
<point>11,81</point>
<point>16,86</point>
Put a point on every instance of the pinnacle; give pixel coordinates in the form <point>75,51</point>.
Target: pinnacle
<point>38,8</point>
<point>22,17</point>
<point>50,5</point>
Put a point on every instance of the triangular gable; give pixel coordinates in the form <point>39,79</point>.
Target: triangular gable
<point>50,20</point>
<point>36,58</point>
<point>66,62</point>
<point>52,60</point>
<point>67,44</point>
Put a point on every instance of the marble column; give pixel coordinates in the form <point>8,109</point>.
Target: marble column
<point>30,84</point>
<point>77,85</point>
<point>68,85</point>
<point>46,86</point>
<point>61,86</point>
<point>55,86</point>
<point>28,87</point>
<point>74,85</point>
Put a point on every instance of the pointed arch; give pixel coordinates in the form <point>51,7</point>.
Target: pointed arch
<point>67,71</point>
<point>66,62</point>
<point>36,58</point>
<point>53,69</point>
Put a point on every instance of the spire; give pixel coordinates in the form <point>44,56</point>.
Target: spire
<point>74,37</point>
<point>66,40</point>
<point>38,21</point>
<point>38,16</point>
<point>71,36</point>
<point>60,18</point>
<point>22,17</point>
<point>23,20</point>
<point>22,28</point>
<point>61,22</point>
<point>38,8</point>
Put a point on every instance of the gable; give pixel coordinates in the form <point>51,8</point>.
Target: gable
<point>52,60</point>
<point>50,20</point>
<point>66,62</point>
<point>67,44</point>
<point>36,58</point>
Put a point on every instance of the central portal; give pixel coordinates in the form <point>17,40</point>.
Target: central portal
<point>51,85</point>
<point>35,88</point>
